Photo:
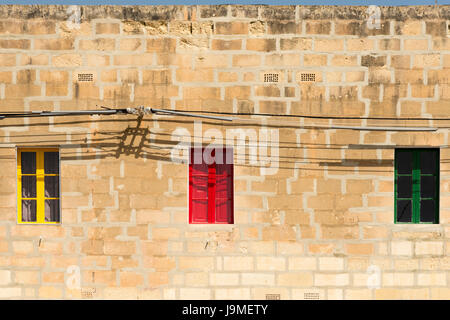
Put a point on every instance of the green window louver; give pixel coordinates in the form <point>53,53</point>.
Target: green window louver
<point>416,186</point>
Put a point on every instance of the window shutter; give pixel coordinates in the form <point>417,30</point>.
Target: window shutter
<point>198,190</point>
<point>224,190</point>
<point>211,193</point>
<point>417,185</point>
<point>38,186</point>
<point>211,190</point>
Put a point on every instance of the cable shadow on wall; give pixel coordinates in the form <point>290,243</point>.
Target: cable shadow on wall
<point>132,140</point>
<point>138,141</point>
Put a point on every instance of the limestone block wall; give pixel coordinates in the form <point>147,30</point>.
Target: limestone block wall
<point>320,227</point>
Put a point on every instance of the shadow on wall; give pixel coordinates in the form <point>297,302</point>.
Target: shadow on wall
<point>141,142</point>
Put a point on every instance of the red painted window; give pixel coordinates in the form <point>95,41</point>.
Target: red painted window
<point>211,186</point>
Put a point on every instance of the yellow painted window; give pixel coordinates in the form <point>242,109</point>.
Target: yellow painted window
<point>38,199</point>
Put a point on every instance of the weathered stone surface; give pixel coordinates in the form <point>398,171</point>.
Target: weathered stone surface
<point>320,217</point>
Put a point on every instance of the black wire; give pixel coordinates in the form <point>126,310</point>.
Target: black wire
<point>41,114</point>
<point>306,116</point>
<point>31,114</point>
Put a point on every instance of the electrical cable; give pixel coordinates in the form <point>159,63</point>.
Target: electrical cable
<point>147,110</point>
<point>282,123</point>
<point>315,117</point>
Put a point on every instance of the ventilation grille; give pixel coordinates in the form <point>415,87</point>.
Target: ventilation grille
<point>88,293</point>
<point>270,77</point>
<point>85,77</point>
<point>307,77</point>
<point>272,297</point>
<point>311,296</point>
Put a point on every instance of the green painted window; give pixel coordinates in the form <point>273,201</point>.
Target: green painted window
<point>416,186</point>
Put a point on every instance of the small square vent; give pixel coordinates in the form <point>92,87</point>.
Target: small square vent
<point>307,77</point>
<point>311,296</point>
<point>270,77</point>
<point>85,77</point>
<point>272,297</point>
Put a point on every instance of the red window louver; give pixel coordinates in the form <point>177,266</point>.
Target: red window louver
<point>211,188</point>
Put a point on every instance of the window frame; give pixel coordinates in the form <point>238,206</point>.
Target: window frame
<point>415,192</point>
<point>210,215</point>
<point>40,195</point>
